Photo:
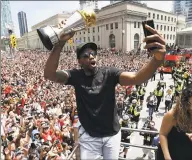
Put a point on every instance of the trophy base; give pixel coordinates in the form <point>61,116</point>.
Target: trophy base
<point>45,39</point>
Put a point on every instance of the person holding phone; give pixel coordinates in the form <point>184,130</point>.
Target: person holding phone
<point>95,92</point>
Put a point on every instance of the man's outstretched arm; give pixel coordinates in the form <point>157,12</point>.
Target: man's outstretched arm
<point>146,72</point>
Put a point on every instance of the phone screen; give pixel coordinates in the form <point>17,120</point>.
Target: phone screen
<point>149,23</point>
<point>148,33</point>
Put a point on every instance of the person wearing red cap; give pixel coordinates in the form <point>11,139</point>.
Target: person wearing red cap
<point>95,93</point>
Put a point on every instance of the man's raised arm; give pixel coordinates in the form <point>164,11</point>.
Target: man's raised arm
<point>50,71</point>
<point>146,72</point>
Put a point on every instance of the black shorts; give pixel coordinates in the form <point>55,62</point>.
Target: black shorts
<point>126,141</point>
<point>141,97</point>
<point>176,94</point>
<point>135,118</point>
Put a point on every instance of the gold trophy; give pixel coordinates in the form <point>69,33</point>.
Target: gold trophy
<point>80,20</point>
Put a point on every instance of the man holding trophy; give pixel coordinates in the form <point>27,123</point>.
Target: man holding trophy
<point>99,132</point>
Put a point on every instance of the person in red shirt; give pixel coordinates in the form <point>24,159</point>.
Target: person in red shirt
<point>43,105</point>
<point>61,120</point>
<point>57,135</point>
<point>46,133</point>
<point>7,90</point>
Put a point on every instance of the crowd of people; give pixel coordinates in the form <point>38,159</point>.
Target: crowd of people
<point>37,115</point>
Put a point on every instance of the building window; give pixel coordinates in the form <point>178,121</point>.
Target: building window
<point>175,19</point>
<point>88,30</point>
<point>79,32</point>
<point>161,17</point>
<point>153,15</point>
<point>116,25</point>
<point>171,28</point>
<point>111,25</point>
<point>167,37</point>
<point>174,29</point>
<point>112,41</point>
<point>98,38</point>
<point>88,39</point>
<point>157,16</point>
<point>136,41</point>
<point>161,27</point>
<point>149,14</point>
<point>170,37</point>
<point>167,28</point>
<point>93,38</point>
<point>80,39</point>
<point>165,18</point>
<point>172,19</point>
<point>135,24</point>
<point>84,39</point>
<point>84,32</point>
<point>173,37</point>
<point>98,28</point>
<point>138,24</point>
<point>107,26</point>
<point>164,28</point>
<point>164,36</point>
<point>157,27</point>
<point>93,29</point>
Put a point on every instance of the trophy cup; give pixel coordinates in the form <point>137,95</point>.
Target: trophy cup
<point>80,20</point>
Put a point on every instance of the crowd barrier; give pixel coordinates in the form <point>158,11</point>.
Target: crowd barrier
<point>131,145</point>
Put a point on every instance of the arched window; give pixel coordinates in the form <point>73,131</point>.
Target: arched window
<point>136,41</point>
<point>112,41</point>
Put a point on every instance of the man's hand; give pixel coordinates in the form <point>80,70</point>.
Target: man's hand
<point>189,135</point>
<point>65,37</point>
<point>159,53</point>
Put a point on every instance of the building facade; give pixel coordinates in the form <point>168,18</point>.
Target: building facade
<point>22,19</point>
<point>119,26</point>
<point>184,38</point>
<point>114,1</point>
<point>91,4</point>
<point>6,18</point>
<point>184,8</point>
<point>31,39</point>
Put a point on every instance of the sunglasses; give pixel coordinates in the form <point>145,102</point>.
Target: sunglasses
<point>87,54</point>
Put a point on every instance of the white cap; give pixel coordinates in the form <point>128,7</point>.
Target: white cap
<point>134,89</point>
<point>134,101</point>
<point>125,117</point>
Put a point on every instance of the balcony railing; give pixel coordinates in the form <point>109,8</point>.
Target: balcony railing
<point>132,145</point>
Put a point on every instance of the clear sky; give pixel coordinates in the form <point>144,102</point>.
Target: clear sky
<point>37,11</point>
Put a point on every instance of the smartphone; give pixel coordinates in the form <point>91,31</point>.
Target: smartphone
<point>148,33</point>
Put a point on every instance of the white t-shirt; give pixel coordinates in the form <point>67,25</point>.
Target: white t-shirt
<point>168,97</point>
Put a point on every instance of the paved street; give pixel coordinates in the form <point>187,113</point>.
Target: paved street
<point>136,153</point>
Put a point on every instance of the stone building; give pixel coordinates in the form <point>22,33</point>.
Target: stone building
<point>119,26</point>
